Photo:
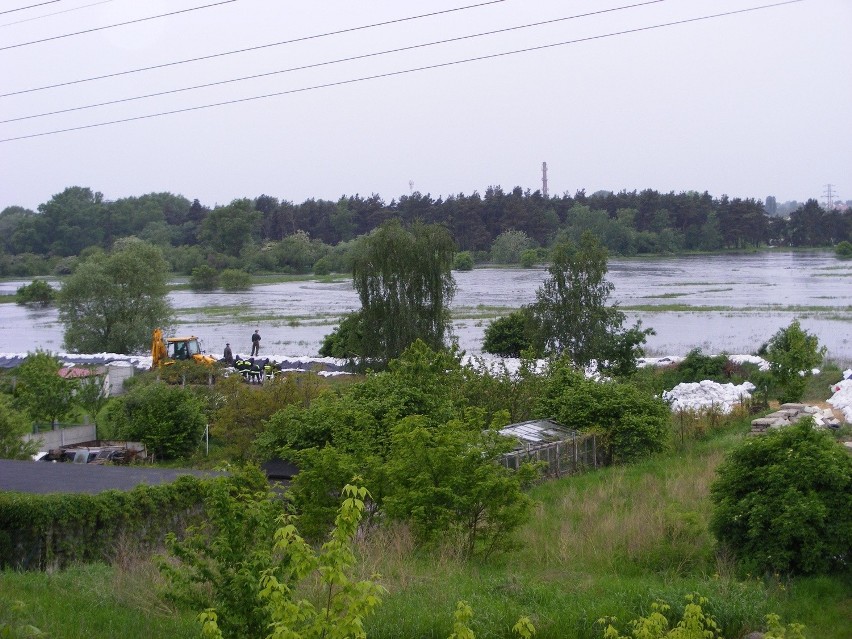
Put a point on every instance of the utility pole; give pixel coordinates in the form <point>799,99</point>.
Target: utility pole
<point>829,196</point>
<point>544,179</point>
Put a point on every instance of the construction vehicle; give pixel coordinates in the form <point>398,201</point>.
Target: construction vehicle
<point>167,351</point>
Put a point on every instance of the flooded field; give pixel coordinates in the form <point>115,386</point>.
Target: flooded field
<point>719,303</point>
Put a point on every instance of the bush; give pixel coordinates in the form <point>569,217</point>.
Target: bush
<point>783,503</point>
<point>344,342</point>
<point>463,261</point>
<point>235,280</point>
<point>509,336</point>
<point>204,278</point>
<point>37,293</point>
<point>843,250</point>
<point>792,353</point>
<point>630,422</point>
<point>322,266</point>
<point>220,561</point>
<point>529,258</point>
<point>55,530</point>
<point>167,419</point>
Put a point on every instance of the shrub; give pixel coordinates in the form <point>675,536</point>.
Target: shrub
<point>322,266</point>
<point>345,341</point>
<point>783,502</point>
<point>220,561</point>
<point>509,336</point>
<point>204,278</point>
<point>55,530</point>
<point>529,258</point>
<point>290,561</point>
<point>235,280</point>
<point>843,250</point>
<point>695,624</point>
<point>167,419</point>
<point>463,261</point>
<point>37,293</point>
<point>792,353</point>
<point>632,423</point>
<point>12,425</point>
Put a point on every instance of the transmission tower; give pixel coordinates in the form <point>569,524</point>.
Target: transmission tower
<point>544,179</point>
<point>829,196</point>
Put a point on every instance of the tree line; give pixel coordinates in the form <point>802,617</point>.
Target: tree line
<point>269,234</point>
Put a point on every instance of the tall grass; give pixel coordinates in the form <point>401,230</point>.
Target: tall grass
<point>607,543</point>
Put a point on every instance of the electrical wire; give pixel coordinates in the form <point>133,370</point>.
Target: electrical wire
<point>405,71</point>
<point>330,62</point>
<point>32,6</point>
<point>56,13</point>
<point>257,48</point>
<point>118,24</point>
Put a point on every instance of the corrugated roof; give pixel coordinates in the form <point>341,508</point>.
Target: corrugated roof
<point>536,431</point>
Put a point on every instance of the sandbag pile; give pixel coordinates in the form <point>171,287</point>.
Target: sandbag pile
<point>707,394</point>
<point>842,397</point>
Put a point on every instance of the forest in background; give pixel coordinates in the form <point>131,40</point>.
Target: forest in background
<point>265,234</point>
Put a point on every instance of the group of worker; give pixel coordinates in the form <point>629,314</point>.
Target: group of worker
<point>228,356</point>
<point>253,370</point>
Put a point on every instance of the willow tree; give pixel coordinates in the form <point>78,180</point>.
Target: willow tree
<point>405,283</point>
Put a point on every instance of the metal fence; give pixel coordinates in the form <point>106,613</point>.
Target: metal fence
<point>565,457</point>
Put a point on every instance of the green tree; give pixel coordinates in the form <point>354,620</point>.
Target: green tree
<point>631,423</point>
<point>792,353</point>
<point>37,293</point>
<point>447,481</point>
<point>228,229</point>
<point>41,391</point>
<point>509,246</point>
<point>204,278</point>
<point>220,562</point>
<point>235,280</point>
<point>510,335</point>
<point>91,395</point>
<point>12,426</point>
<point>112,302</point>
<point>783,502</point>
<point>571,310</point>
<point>168,419</point>
<point>244,408</point>
<point>345,601</point>
<point>843,250</point>
<point>345,341</point>
<point>463,261</point>
<point>71,221</point>
<point>404,280</point>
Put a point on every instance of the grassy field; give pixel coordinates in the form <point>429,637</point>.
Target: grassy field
<point>607,543</point>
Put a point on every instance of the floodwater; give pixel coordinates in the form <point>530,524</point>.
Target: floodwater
<point>730,303</point>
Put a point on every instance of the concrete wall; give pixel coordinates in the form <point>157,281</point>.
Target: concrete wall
<point>63,436</point>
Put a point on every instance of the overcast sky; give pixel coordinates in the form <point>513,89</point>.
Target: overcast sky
<point>748,105</point>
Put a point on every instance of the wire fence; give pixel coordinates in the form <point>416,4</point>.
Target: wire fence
<point>566,457</point>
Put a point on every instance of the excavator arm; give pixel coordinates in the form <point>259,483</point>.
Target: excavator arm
<point>158,349</point>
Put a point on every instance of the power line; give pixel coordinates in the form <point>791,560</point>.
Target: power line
<point>32,6</point>
<point>404,71</point>
<point>328,62</point>
<point>118,24</point>
<point>246,50</point>
<point>56,13</point>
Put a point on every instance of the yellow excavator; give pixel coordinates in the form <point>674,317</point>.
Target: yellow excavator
<point>166,351</point>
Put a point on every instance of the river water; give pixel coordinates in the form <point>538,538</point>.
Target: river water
<point>730,303</point>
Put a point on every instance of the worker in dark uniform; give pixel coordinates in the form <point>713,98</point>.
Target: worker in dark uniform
<point>228,356</point>
<point>255,343</point>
